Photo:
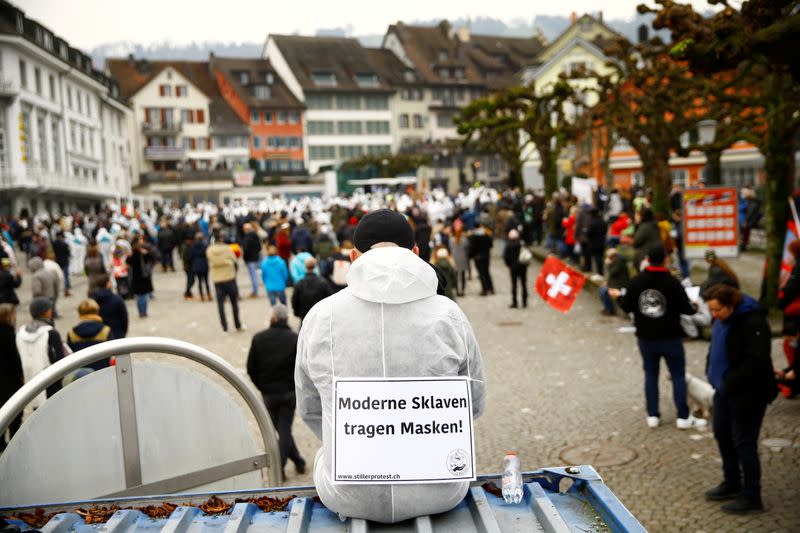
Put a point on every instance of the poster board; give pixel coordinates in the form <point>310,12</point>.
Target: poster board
<point>711,222</point>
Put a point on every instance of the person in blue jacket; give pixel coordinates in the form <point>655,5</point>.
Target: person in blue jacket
<point>274,274</point>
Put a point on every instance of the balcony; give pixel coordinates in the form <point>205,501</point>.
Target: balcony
<point>176,176</point>
<point>162,128</point>
<point>164,153</point>
<point>8,88</point>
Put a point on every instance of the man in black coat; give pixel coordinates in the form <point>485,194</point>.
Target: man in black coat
<point>309,290</point>
<point>61,250</point>
<point>251,253</point>
<point>167,240</point>
<point>112,307</point>
<point>481,240</point>
<point>270,364</point>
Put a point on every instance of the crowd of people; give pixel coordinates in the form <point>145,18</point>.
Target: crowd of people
<point>309,244</point>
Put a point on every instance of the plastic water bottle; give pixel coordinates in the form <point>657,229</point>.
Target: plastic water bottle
<point>512,478</point>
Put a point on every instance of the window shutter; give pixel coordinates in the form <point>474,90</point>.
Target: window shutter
<point>161,90</point>
<point>163,116</point>
<point>200,116</point>
<point>194,143</point>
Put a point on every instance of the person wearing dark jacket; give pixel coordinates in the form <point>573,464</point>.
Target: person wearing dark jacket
<point>593,243</point>
<point>9,280</point>
<point>89,330</point>
<point>61,250</point>
<point>739,367</point>
<point>657,300</point>
<point>167,241</point>
<point>270,364</point>
<point>140,264</point>
<point>11,376</point>
<point>518,271</point>
<point>198,267</point>
<point>617,277</point>
<point>309,290</point>
<point>251,252</point>
<point>481,240</point>
<point>646,237</point>
<point>112,309</point>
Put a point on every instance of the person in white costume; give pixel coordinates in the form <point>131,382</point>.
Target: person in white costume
<point>388,322</point>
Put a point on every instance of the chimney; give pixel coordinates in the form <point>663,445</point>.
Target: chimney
<point>463,34</point>
<point>130,58</point>
<point>643,33</point>
<point>573,18</point>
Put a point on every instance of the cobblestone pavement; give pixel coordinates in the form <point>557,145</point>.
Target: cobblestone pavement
<point>561,388</point>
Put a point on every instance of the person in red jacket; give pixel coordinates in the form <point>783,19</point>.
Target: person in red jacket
<point>617,227</point>
<point>569,234</point>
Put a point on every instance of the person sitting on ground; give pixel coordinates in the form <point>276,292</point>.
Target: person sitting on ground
<point>389,307</point>
<point>270,364</point>
<point>617,277</point>
<point>89,330</point>
<point>309,290</point>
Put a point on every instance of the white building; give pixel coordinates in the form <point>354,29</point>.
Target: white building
<point>53,138</point>
<point>348,112</point>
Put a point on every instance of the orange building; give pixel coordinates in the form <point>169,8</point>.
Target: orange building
<point>275,116</point>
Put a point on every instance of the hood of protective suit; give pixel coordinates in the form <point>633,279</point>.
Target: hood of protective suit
<point>391,275</point>
<point>35,264</point>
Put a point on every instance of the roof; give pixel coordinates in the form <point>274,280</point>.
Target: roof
<point>390,68</point>
<point>511,52</point>
<point>431,48</point>
<point>342,57</point>
<point>257,69</point>
<point>133,74</point>
<point>603,34</point>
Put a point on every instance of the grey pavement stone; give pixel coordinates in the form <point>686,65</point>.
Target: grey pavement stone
<point>554,381</point>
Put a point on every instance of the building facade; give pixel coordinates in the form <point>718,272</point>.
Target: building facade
<point>348,103</point>
<point>58,116</point>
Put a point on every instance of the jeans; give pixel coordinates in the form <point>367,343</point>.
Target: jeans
<point>736,431</point>
<point>67,281</point>
<point>275,296</point>
<point>672,351</point>
<point>202,283</point>
<point>141,303</point>
<point>281,410</point>
<point>228,289</point>
<point>608,303</point>
<point>252,269</point>
<point>519,276</point>
<point>482,264</point>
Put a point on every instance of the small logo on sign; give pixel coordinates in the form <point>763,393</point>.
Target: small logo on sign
<point>458,463</point>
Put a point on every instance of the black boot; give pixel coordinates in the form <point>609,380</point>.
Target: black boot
<point>743,505</point>
<point>723,491</point>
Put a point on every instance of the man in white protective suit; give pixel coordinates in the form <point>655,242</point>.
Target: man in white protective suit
<point>387,323</point>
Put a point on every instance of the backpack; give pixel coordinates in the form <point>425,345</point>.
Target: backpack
<point>525,256</point>
<point>340,269</point>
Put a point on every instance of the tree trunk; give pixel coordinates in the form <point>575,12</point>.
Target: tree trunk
<point>657,176</point>
<point>779,167</point>
<point>549,170</point>
<point>714,165</point>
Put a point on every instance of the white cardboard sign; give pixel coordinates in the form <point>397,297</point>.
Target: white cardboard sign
<point>402,430</point>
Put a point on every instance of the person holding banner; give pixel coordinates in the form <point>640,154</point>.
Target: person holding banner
<point>389,376</point>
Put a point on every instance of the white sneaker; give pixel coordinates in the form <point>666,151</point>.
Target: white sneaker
<point>653,421</point>
<point>691,422</point>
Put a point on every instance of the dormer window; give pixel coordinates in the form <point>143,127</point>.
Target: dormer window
<point>244,77</point>
<point>367,80</point>
<point>48,41</point>
<point>270,78</point>
<point>409,76</point>
<point>444,72</point>
<point>261,92</point>
<point>442,55</point>
<point>585,24</point>
<point>458,73</point>
<point>324,78</point>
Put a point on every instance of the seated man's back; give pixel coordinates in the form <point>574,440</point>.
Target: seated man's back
<point>388,322</point>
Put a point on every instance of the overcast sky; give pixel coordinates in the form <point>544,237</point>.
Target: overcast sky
<point>87,23</point>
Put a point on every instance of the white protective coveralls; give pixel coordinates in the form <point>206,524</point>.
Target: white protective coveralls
<point>391,299</point>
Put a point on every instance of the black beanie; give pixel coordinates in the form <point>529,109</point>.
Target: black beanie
<point>656,255</point>
<point>383,225</point>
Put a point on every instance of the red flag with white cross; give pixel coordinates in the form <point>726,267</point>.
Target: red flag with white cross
<point>558,284</point>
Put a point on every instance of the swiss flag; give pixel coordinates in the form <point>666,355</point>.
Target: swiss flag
<point>558,284</point>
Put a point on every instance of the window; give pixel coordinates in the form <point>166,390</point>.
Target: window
<point>323,78</point>
<point>321,152</point>
<point>187,116</point>
<point>409,76</point>
<point>320,127</point>
<point>44,158</point>
<point>403,123</point>
<point>444,72</point>
<point>55,134</point>
<point>379,149</point>
<point>188,143</point>
<point>319,101</point>
<point>458,73</point>
<point>350,152</point>
<point>444,120</point>
<point>254,117</point>
<point>376,102</point>
<point>244,77</point>
<point>23,74</point>
<point>442,55</point>
<point>88,105</point>
<point>282,117</point>
<point>180,90</point>
<point>90,138</point>
<point>200,114</point>
<point>294,117</point>
<point>261,92</point>
<point>348,101</point>
<point>37,80</point>
<point>52,82</point>
<point>69,97</point>
<point>165,90</point>
<point>417,120</point>
<point>348,127</point>
<point>679,176</point>
<point>367,79</point>
<point>79,100</point>
<point>268,117</point>
<point>377,127</point>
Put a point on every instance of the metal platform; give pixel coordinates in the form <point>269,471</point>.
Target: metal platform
<point>562,500</point>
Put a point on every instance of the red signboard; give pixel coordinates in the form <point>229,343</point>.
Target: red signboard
<point>710,222</point>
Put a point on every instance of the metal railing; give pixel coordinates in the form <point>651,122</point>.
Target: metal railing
<point>164,152</point>
<point>167,126</point>
<point>185,175</point>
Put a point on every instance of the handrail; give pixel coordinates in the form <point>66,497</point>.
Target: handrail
<point>82,358</point>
